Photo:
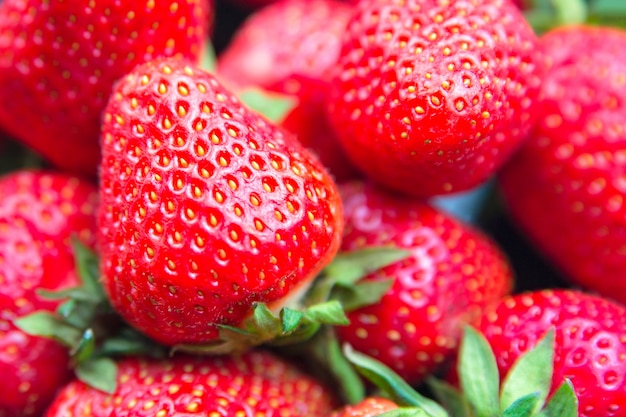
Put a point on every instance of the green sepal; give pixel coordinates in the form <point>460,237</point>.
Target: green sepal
<point>208,59</point>
<point>273,106</point>
<point>99,373</point>
<point>451,398</point>
<point>129,341</point>
<point>85,347</point>
<point>523,406</point>
<point>531,373</point>
<point>478,373</point>
<point>391,383</point>
<point>48,325</point>
<point>405,412</point>
<point>290,319</point>
<point>563,403</point>
<point>326,349</point>
<point>341,277</point>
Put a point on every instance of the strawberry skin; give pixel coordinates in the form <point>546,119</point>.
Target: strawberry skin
<point>58,64</point>
<point>590,342</point>
<point>452,272</point>
<point>432,96</point>
<point>39,213</point>
<point>369,407</point>
<point>254,384</point>
<point>207,208</point>
<point>290,47</point>
<point>565,188</point>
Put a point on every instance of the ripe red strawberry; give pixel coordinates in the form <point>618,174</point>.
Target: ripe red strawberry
<point>290,47</point>
<point>565,188</point>
<point>58,64</point>
<point>590,343</point>
<point>207,208</point>
<point>452,272</point>
<point>369,407</point>
<point>254,384</point>
<point>432,96</point>
<point>39,213</point>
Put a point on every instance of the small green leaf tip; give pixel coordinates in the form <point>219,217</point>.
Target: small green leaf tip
<point>391,383</point>
<point>531,373</point>
<point>478,372</point>
<point>273,106</point>
<point>99,373</point>
<point>563,403</point>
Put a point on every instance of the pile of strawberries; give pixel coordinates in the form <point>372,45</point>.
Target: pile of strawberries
<point>258,234</point>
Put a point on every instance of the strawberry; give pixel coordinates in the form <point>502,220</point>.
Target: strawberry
<point>58,64</point>
<point>589,342</point>
<point>369,407</point>
<point>573,163</point>
<point>451,273</point>
<point>254,384</point>
<point>39,213</point>
<point>432,96</point>
<point>290,47</point>
<point>207,208</point>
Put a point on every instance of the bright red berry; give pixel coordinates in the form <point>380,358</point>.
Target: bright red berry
<point>451,273</point>
<point>433,96</point>
<point>565,188</point>
<point>590,348</point>
<point>254,384</point>
<point>59,61</point>
<point>207,208</point>
<point>40,212</point>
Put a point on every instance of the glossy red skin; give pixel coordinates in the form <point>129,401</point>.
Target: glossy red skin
<point>407,100</point>
<point>369,407</point>
<point>39,213</point>
<point>198,225</point>
<point>590,343</point>
<point>452,272</point>
<point>58,64</point>
<point>254,384</point>
<point>565,187</point>
<point>290,47</point>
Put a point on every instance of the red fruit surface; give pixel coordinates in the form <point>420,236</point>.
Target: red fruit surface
<point>590,343</point>
<point>565,188</point>
<point>39,213</point>
<point>59,61</point>
<point>452,272</point>
<point>290,47</point>
<point>369,407</point>
<point>207,208</point>
<point>254,384</point>
<point>433,96</point>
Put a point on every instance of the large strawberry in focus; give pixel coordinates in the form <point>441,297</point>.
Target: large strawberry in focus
<point>254,384</point>
<point>433,96</point>
<point>565,188</point>
<point>59,60</point>
<point>290,47</point>
<point>40,213</point>
<point>451,273</point>
<point>589,347</point>
<point>207,208</point>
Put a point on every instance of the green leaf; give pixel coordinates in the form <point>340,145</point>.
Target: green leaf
<point>329,312</point>
<point>405,412</point>
<point>450,397</point>
<point>608,7</point>
<point>362,293</point>
<point>531,373</point>
<point>85,347</point>
<point>130,342</point>
<point>570,12</point>
<point>47,325</point>
<point>100,373</point>
<point>563,403</point>
<point>350,267</point>
<point>478,372</point>
<point>522,407</point>
<point>88,267</point>
<point>264,323</point>
<point>326,349</point>
<point>273,106</point>
<point>391,383</point>
<point>291,319</point>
